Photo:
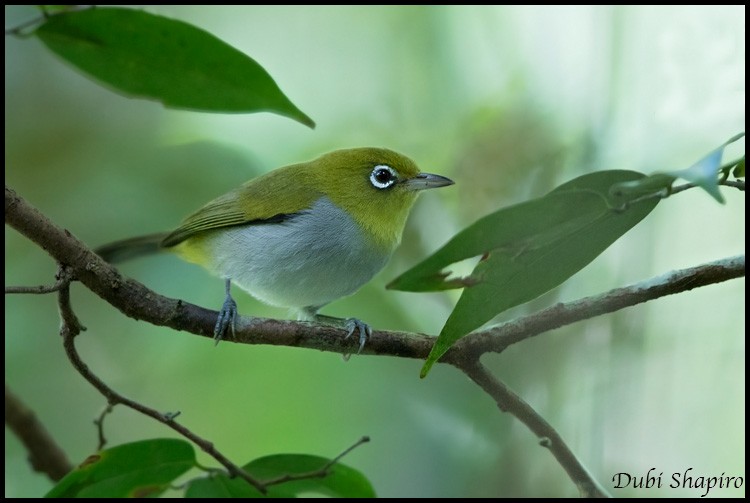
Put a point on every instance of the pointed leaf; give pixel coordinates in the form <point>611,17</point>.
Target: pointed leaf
<point>148,56</point>
<point>527,249</point>
<point>144,468</point>
<point>342,481</point>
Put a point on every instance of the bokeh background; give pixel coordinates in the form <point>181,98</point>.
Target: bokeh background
<point>507,101</point>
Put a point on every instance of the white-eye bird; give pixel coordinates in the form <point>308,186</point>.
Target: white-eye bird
<point>300,236</point>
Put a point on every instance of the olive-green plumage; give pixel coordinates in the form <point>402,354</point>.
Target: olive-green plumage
<point>342,176</point>
<point>302,235</point>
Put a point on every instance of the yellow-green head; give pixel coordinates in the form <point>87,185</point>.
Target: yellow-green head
<point>376,186</point>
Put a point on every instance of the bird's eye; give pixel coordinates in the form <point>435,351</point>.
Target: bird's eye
<point>383,176</point>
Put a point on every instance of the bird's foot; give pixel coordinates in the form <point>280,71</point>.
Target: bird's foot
<point>365,331</point>
<point>227,317</point>
<point>351,325</point>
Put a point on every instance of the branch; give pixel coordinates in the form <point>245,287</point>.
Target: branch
<point>737,184</point>
<point>70,328</point>
<point>497,339</point>
<point>19,30</point>
<point>26,28</point>
<point>99,423</point>
<point>38,290</point>
<point>508,401</point>
<point>44,453</point>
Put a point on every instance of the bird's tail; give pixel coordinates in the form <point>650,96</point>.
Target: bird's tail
<point>119,251</point>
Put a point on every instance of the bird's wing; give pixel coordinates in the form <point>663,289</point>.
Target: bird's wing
<point>257,202</point>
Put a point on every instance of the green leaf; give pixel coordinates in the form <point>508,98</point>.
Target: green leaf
<point>739,169</point>
<point>148,56</point>
<point>527,249</point>
<point>218,485</point>
<point>342,481</point>
<point>144,468</point>
<point>704,174</point>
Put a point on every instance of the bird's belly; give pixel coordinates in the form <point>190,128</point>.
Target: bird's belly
<point>308,261</point>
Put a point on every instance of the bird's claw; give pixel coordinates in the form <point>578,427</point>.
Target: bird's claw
<point>227,319</point>
<point>352,325</point>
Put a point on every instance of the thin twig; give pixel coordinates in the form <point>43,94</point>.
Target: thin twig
<point>69,330</point>
<point>496,339</point>
<point>508,401</point>
<point>99,422</point>
<point>62,278</point>
<point>670,190</point>
<point>18,30</point>
<point>70,325</point>
<point>41,289</point>
<point>44,453</point>
<point>320,473</point>
<point>737,184</point>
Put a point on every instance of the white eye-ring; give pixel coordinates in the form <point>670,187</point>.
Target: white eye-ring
<point>383,176</point>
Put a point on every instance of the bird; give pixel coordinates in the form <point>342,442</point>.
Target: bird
<point>300,236</point>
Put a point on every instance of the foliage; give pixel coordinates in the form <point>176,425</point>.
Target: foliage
<point>529,248</point>
<point>148,56</point>
<point>525,249</point>
<point>149,467</point>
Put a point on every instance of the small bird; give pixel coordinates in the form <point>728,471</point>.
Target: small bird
<point>300,236</point>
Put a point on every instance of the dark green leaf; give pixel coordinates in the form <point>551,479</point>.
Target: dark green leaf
<point>149,56</point>
<point>342,481</point>
<point>527,249</point>
<point>218,485</point>
<point>144,468</point>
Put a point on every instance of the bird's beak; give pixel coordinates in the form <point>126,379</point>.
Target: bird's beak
<point>427,181</point>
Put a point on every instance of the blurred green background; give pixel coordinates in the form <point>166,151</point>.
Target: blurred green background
<point>507,101</point>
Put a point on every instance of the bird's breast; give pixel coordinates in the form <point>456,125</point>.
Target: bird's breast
<point>309,260</point>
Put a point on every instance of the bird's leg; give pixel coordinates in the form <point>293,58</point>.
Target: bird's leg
<point>227,315</point>
<point>350,324</point>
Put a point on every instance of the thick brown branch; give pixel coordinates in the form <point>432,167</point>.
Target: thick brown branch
<point>44,453</point>
<point>508,401</point>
